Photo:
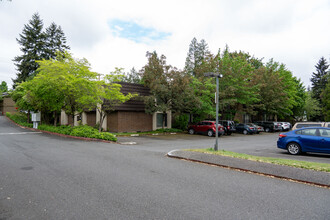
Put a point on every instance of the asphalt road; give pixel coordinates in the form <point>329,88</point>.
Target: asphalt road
<point>49,177</point>
<point>263,144</point>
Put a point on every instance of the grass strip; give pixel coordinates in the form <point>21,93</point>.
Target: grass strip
<point>325,167</point>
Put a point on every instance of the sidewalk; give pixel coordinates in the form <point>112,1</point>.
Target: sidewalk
<point>278,171</point>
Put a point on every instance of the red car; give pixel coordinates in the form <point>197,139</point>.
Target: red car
<point>206,127</point>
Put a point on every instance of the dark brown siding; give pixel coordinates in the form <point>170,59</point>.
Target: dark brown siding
<point>112,122</point>
<point>70,120</point>
<point>8,105</point>
<point>134,121</point>
<point>91,118</point>
<point>137,103</point>
<point>124,121</point>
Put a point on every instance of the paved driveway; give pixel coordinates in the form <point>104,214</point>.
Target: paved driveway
<point>263,144</point>
<point>50,177</point>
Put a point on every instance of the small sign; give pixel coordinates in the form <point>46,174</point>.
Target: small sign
<point>36,116</point>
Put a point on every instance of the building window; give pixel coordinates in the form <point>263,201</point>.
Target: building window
<point>160,119</point>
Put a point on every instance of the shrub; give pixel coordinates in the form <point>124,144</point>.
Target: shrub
<point>169,130</point>
<point>181,121</point>
<point>90,132</point>
<point>19,118</point>
<point>78,131</point>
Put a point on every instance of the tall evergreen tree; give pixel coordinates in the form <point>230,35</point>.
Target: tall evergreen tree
<point>37,44</point>
<point>55,41</point>
<point>325,97</point>
<point>32,41</point>
<point>196,55</point>
<point>319,79</point>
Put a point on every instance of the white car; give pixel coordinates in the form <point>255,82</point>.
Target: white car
<point>285,126</point>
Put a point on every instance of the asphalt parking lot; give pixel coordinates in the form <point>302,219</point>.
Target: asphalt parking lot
<point>263,144</point>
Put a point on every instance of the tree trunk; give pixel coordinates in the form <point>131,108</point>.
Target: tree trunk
<point>28,116</point>
<point>102,116</point>
<point>164,117</point>
<point>55,118</point>
<point>73,119</point>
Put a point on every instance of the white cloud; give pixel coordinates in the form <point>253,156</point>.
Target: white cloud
<point>293,32</point>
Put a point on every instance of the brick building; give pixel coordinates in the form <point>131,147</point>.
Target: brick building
<point>7,105</point>
<point>127,117</point>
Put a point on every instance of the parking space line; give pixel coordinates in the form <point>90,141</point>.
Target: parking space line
<point>21,133</point>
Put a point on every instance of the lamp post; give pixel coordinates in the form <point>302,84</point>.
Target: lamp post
<point>217,76</point>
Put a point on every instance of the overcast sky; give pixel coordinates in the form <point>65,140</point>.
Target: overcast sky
<point>119,33</point>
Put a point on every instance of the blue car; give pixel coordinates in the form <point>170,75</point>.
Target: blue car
<point>308,139</point>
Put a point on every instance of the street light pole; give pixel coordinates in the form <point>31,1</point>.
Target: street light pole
<point>217,76</point>
<point>217,114</point>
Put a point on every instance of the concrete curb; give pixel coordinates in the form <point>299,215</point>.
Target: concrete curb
<point>278,171</point>
<point>63,135</point>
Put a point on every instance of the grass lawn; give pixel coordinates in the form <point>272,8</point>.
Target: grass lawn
<point>293,163</point>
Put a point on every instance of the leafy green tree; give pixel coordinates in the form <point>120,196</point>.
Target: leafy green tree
<point>73,81</point>
<point>22,100</point>
<point>312,107</point>
<point>281,94</point>
<point>110,95</point>
<point>289,88</point>
<point>44,93</point>
<point>325,98</point>
<point>3,88</point>
<point>270,91</point>
<point>170,88</point>
<point>237,87</point>
<point>319,78</point>
<point>132,77</point>
<point>204,90</point>
<point>298,109</point>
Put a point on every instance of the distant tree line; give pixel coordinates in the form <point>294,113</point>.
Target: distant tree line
<point>248,86</point>
<point>49,79</point>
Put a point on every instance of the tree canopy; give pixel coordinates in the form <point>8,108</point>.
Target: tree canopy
<point>37,44</point>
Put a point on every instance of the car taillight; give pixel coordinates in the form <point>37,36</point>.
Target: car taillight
<point>282,135</point>
<point>228,127</point>
<point>251,128</point>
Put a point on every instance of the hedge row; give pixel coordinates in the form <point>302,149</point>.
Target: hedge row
<point>78,131</point>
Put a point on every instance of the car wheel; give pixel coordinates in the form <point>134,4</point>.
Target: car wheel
<point>294,148</point>
<point>210,133</point>
<point>229,133</point>
<point>191,131</point>
<point>245,132</point>
<point>267,130</point>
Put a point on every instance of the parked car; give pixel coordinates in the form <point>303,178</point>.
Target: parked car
<point>308,139</point>
<point>206,127</point>
<point>258,128</point>
<point>305,124</point>
<point>285,126</point>
<point>269,126</point>
<point>246,129</point>
<point>229,126</point>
